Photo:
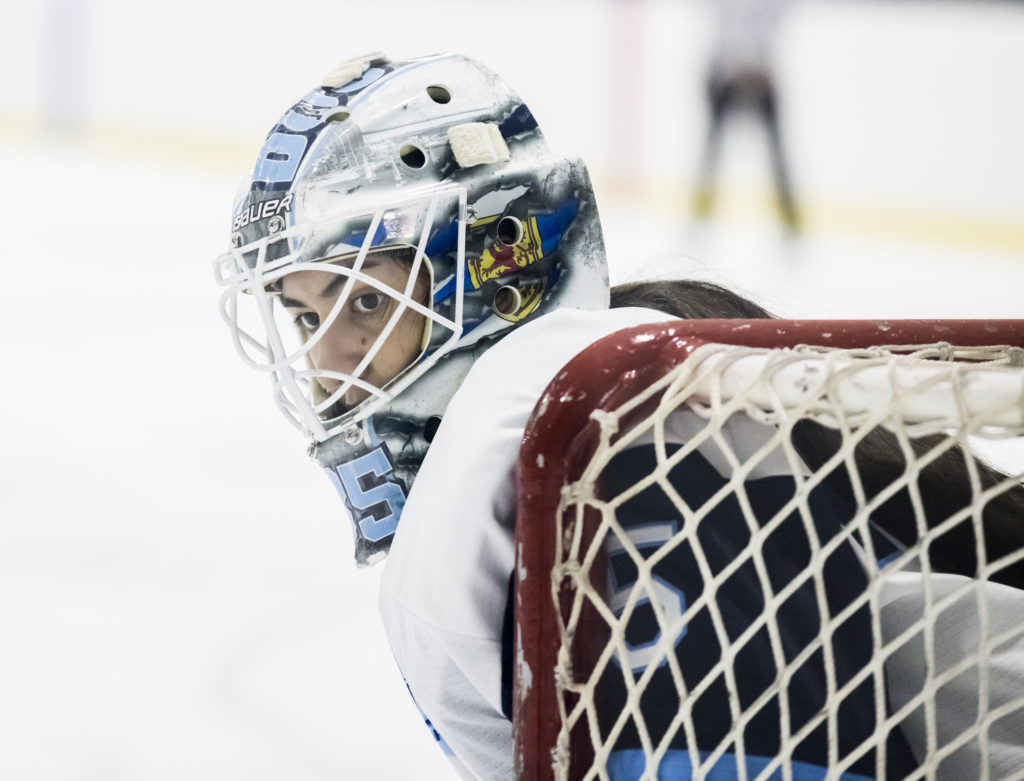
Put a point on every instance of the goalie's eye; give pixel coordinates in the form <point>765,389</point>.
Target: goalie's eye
<point>368,303</point>
<point>308,321</point>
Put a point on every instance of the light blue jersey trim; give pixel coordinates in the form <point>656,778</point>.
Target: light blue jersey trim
<point>445,748</point>
<point>629,765</point>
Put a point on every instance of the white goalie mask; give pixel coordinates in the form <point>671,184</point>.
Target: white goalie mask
<point>400,218</point>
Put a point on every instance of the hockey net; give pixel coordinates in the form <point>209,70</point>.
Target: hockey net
<point>740,554</point>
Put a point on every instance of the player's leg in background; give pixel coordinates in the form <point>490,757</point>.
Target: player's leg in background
<point>768,110</point>
<point>720,98</point>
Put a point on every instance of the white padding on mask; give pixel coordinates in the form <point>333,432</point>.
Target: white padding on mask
<point>350,70</point>
<point>478,143</point>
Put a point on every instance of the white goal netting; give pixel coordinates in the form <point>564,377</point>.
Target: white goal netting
<point>791,564</point>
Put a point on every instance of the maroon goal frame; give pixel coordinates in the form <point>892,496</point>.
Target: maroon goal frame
<point>559,440</point>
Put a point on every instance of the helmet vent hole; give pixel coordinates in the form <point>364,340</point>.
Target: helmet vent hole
<point>339,116</point>
<point>430,427</point>
<point>510,231</point>
<point>507,301</point>
<point>439,94</point>
<point>413,156</point>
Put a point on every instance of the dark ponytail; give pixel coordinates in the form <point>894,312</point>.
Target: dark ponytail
<point>687,299</point>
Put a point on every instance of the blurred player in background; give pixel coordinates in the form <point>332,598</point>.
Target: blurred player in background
<point>410,266</point>
<point>741,76</point>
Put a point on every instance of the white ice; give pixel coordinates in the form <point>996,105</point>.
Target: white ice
<point>177,599</point>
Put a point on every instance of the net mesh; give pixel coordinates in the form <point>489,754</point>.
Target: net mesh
<point>787,561</point>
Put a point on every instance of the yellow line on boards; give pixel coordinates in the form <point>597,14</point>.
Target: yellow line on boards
<point>152,144</point>
<point>226,154</point>
<point>826,216</point>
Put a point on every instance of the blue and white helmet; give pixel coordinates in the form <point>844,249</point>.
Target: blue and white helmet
<point>425,199</point>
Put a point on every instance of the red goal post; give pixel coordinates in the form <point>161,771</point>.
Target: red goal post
<point>562,613</point>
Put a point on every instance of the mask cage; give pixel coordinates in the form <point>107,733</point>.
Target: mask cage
<point>266,338</point>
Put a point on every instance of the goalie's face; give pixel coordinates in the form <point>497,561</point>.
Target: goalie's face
<point>363,340</point>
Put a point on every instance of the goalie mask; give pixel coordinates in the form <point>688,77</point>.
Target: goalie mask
<point>400,218</point>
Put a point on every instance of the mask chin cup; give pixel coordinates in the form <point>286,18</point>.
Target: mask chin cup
<point>369,483</point>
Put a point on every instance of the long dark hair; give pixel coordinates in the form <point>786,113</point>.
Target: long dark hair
<point>944,484</point>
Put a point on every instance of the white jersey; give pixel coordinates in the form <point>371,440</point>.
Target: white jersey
<point>963,627</point>
<point>445,588</point>
<point>744,35</point>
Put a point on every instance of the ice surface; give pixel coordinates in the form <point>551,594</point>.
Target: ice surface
<point>177,596</point>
